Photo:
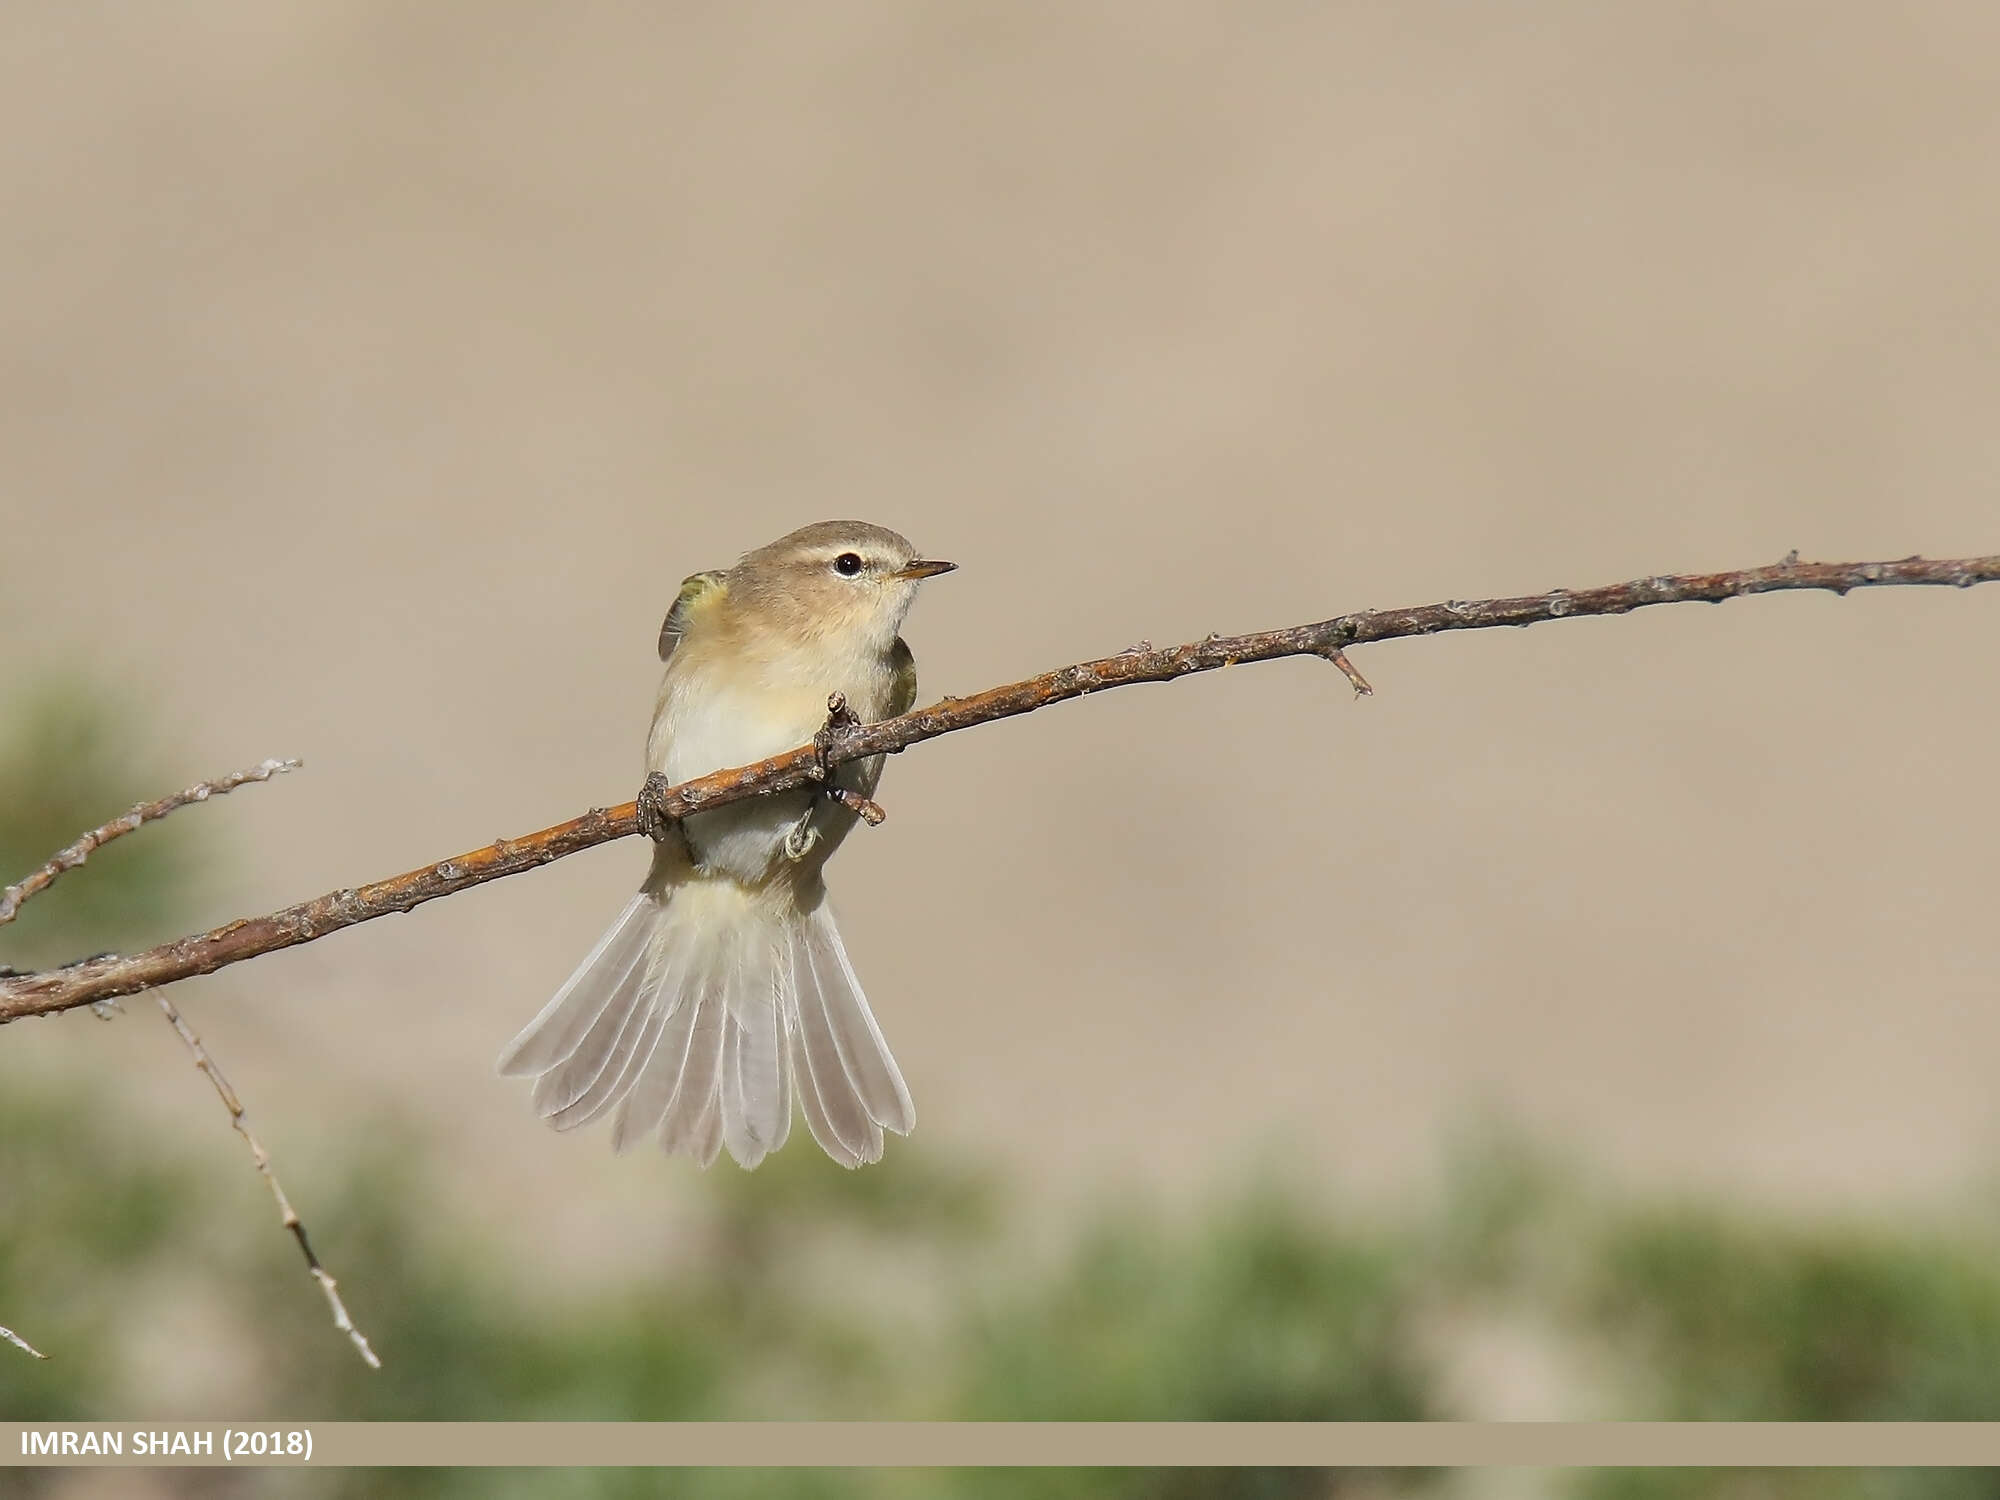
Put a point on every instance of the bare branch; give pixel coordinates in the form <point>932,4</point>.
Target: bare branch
<point>286,1215</point>
<point>14,896</point>
<point>104,978</point>
<point>20,1343</point>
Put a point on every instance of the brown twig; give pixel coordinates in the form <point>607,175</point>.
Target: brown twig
<point>12,899</point>
<point>20,1343</point>
<point>102,979</point>
<point>1351,672</point>
<point>286,1214</point>
<point>868,810</point>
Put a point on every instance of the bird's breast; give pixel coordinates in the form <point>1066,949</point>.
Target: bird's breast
<point>712,717</point>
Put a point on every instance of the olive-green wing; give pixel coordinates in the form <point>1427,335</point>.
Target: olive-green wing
<point>902,679</point>
<point>695,588</point>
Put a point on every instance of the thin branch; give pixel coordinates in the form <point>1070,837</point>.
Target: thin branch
<point>12,899</point>
<point>864,808</point>
<point>101,979</point>
<point>1351,672</point>
<point>20,1343</point>
<point>286,1214</point>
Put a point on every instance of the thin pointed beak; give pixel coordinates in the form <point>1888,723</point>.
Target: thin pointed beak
<point>924,568</point>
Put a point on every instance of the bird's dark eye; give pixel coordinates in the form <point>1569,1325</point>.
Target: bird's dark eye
<point>847,564</point>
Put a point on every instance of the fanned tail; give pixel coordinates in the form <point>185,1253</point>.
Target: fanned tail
<point>697,1017</point>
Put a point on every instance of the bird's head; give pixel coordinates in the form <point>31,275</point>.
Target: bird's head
<point>833,583</point>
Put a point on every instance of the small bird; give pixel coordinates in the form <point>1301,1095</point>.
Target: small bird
<point>723,988</point>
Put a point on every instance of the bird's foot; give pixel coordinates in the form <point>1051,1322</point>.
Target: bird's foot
<point>654,821</point>
<point>840,722</point>
<point>801,836</point>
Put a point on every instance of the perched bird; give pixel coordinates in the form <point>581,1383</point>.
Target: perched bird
<point>723,989</point>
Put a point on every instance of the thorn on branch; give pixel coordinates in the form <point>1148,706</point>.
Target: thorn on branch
<point>286,1215</point>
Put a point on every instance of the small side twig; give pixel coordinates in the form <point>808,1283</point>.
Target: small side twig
<point>1353,673</point>
<point>20,1343</point>
<point>14,896</point>
<point>867,809</point>
<point>286,1214</point>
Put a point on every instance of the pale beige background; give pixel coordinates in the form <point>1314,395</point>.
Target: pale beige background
<point>370,373</point>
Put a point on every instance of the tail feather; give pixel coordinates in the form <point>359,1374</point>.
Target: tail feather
<point>684,1128</point>
<point>873,1072</point>
<point>763,1068</point>
<point>836,1115</point>
<point>737,1132</point>
<point>629,1060</point>
<point>706,1143</point>
<point>593,1067</point>
<point>830,1140</point>
<point>554,1034</point>
<point>699,1016</point>
<point>642,1110</point>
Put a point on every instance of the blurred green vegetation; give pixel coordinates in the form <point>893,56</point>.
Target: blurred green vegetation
<point>913,1289</point>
